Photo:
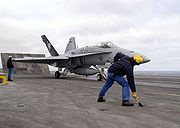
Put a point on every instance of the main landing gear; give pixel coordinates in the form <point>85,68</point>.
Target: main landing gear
<point>99,77</point>
<point>57,74</point>
<point>60,73</point>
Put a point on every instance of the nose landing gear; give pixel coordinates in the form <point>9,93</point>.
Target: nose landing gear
<point>101,77</point>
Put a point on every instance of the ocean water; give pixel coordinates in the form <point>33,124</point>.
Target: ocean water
<point>158,73</point>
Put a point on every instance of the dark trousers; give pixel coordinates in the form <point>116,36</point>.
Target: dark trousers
<point>10,70</point>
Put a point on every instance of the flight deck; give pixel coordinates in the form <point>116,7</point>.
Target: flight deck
<point>41,101</point>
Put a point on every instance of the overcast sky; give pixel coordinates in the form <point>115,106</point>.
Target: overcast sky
<point>150,27</point>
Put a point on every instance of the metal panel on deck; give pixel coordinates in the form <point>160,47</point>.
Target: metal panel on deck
<point>25,68</point>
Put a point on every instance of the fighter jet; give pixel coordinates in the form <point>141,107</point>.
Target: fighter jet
<point>82,61</point>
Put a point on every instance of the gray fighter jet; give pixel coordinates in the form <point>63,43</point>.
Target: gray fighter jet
<point>82,61</point>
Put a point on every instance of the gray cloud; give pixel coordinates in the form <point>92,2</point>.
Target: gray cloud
<point>149,27</point>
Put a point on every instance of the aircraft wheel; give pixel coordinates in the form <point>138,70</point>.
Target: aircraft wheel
<point>99,77</point>
<point>57,74</point>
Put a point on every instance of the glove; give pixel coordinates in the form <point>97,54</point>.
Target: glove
<point>134,95</point>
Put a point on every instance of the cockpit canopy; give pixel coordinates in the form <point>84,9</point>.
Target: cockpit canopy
<point>106,44</point>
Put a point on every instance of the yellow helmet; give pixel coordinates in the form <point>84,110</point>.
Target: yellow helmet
<point>138,59</point>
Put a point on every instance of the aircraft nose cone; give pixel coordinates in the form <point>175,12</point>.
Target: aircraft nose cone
<point>146,59</point>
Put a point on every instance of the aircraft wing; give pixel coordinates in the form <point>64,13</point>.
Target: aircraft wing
<point>53,59</point>
<point>45,60</point>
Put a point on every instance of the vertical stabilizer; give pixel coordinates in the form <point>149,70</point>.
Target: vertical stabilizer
<point>51,49</point>
<point>71,44</point>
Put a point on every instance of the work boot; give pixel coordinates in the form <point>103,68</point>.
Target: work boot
<point>100,99</point>
<point>127,103</point>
